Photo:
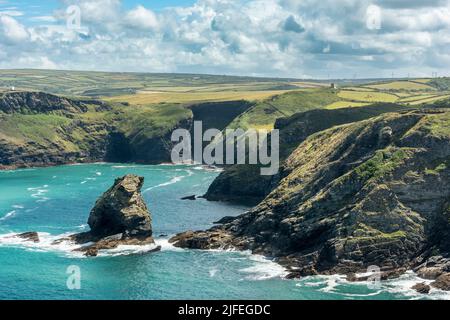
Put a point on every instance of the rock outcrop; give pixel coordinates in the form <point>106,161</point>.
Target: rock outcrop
<point>374,192</point>
<point>29,236</point>
<point>436,268</point>
<point>119,217</point>
<point>38,102</point>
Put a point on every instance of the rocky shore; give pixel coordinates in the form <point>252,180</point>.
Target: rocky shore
<point>375,192</point>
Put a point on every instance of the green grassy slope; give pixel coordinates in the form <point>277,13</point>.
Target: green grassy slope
<point>264,114</point>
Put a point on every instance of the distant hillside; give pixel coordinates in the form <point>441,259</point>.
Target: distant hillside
<point>105,84</point>
<point>440,83</point>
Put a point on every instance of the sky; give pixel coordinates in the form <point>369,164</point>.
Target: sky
<point>272,38</point>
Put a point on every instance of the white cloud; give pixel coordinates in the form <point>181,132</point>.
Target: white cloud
<point>11,29</point>
<point>287,38</point>
<point>141,18</point>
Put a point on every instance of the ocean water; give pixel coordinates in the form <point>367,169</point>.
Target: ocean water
<point>56,201</point>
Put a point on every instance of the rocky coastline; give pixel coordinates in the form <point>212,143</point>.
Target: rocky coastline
<point>376,192</point>
<point>373,191</point>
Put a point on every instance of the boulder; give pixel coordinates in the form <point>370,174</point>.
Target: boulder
<point>422,288</point>
<point>442,282</point>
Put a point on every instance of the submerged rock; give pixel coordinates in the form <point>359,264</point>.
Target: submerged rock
<point>29,236</point>
<point>119,217</point>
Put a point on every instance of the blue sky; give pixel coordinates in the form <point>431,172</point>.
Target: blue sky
<point>283,38</point>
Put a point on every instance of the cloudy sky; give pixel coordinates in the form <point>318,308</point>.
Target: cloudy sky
<point>283,38</point>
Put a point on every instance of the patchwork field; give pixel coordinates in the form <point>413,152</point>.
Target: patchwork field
<point>364,96</point>
<point>401,85</point>
<point>402,92</point>
<point>102,84</point>
<point>152,97</point>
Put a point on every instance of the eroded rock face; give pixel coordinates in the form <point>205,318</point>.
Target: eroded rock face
<point>121,209</point>
<point>374,192</point>
<point>119,217</point>
<point>244,184</point>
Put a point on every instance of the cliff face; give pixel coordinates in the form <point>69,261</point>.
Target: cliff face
<point>39,129</point>
<point>243,183</point>
<point>374,192</point>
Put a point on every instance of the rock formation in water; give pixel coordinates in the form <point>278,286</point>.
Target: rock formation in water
<point>119,217</point>
<point>29,236</point>
<point>375,192</point>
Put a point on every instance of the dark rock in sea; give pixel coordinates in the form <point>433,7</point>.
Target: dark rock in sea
<point>422,288</point>
<point>29,236</point>
<point>119,217</point>
<point>193,197</point>
<point>121,209</point>
<point>202,240</point>
<point>442,282</point>
<point>374,192</point>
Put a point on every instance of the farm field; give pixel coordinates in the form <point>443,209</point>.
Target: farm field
<point>408,93</point>
<point>401,85</point>
<point>103,84</point>
<point>144,98</point>
<point>364,96</point>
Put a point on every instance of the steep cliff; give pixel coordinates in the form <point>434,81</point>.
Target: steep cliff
<point>243,183</point>
<point>374,192</point>
<point>39,129</point>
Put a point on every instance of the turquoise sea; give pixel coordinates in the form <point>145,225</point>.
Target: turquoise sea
<point>56,201</point>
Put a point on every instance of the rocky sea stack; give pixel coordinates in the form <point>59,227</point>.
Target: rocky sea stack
<point>374,192</point>
<point>119,217</point>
